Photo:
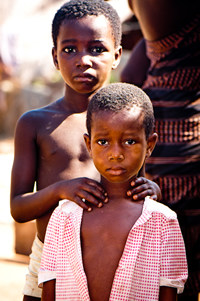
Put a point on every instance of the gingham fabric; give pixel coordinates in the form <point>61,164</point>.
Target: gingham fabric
<point>154,255</point>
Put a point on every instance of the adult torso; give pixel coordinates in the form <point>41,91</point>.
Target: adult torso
<point>159,18</point>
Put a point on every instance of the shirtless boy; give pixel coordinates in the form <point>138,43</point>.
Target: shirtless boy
<point>49,145</point>
<point>125,250</point>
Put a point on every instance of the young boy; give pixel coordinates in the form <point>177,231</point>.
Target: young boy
<point>125,250</point>
<point>49,146</point>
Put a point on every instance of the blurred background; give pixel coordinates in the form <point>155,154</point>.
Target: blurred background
<point>28,80</point>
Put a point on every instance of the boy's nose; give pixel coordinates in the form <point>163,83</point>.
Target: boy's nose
<point>84,60</point>
<point>116,154</point>
<point>119,157</point>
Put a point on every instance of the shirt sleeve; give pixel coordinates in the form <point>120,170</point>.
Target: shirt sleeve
<point>173,256</point>
<point>49,255</point>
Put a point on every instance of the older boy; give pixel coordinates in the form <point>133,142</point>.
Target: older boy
<point>125,250</point>
<point>49,146</point>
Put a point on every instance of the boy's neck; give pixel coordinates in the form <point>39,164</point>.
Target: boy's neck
<point>75,102</point>
<point>116,191</point>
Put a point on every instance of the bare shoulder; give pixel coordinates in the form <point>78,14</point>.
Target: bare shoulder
<point>39,114</point>
<point>33,120</point>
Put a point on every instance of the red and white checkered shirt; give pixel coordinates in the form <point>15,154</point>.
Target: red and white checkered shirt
<point>154,255</point>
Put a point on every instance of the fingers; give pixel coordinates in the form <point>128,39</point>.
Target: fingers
<point>86,203</point>
<point>93,193</point>
<point>81,202</point>
<point>96,190</point>
<point>139,181</point>
<point>86,192</point>
<point>142,188</point>
<point>141,196</point>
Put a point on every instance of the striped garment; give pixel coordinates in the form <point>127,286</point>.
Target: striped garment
<point>173,84</point>
<point>154,255</point>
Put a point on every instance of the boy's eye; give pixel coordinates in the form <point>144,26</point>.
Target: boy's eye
<point>97,49</point>
<point>130,142</point>
<point>102,142</point>
<point>70,49</point>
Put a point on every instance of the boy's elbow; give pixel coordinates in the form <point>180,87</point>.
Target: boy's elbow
<point>18,218</point>
<point>16,212</point>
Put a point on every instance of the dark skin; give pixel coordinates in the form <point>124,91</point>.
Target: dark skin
<point>49,146</point>
<point>157,19</point>
<point>118,157</point>
<point>53,151</point>
<point>160,18</point>
<point>136,68</point>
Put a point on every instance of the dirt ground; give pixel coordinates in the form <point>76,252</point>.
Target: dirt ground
<point>11,280</point>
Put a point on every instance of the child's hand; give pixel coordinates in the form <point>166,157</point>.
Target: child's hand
<point>83,191</point>
<point>143,187</point>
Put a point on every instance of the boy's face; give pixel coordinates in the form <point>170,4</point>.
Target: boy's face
<point>118,144</point>
<point>85,53</point>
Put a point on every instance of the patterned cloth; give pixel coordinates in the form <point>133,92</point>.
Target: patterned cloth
<point>173,84</point>
<point>31,285</point>
<point>154,255</point>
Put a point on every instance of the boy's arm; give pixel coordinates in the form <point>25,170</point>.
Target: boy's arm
<point>135,70</point>
<point>167,293</point>
<point>27,205</point>
<point>48,290</point>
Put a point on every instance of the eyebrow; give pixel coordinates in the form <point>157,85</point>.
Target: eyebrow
<point>74,41</point>
<point>68,41</point>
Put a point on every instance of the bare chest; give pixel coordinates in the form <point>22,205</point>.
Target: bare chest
<point>65,139</point>
<point>104,235</point>
<point>62,153</point>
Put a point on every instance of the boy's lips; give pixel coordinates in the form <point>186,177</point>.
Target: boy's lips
<point>116,171</point>
<point>84,78</point>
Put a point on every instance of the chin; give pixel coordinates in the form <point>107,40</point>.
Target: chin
<point>116,180</point>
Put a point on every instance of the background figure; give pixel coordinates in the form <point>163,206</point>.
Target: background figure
<point>171,78</point>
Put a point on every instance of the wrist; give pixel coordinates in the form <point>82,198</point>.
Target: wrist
<point>59,190</point>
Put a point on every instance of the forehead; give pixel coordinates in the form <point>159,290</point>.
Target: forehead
<point>126,119</point>
<point>97,27</point>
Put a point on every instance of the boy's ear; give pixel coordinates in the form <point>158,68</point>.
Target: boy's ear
<point>151,143</point>
<point>54,55</point>
<point>87,142</point>
<point>118,54</point>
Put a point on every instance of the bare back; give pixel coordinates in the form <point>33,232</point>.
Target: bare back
<point>104,233</point>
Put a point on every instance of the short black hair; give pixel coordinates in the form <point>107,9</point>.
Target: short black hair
<point>77,9</point>
<point>118,96</point>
